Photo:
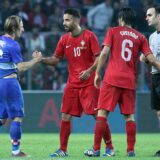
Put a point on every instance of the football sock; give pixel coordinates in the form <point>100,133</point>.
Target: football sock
<point>65,131</point>
<point>131,135</point>
<point>107,137</point>
<point>15,134</point>
<point>100,129</point>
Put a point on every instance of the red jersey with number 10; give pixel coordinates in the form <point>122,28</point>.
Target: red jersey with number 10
<point>125,44</point>
<point>80,52</point>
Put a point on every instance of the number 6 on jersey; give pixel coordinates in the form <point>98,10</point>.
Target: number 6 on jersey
<point>125,49</point>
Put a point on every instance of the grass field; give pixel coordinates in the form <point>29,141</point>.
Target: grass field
<point>39,146</point>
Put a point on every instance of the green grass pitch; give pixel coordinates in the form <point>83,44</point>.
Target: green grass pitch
<point>39,146</point>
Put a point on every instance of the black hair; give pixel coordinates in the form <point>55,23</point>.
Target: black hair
<point>74,12</point>
<point>156,7</point>
<point>128,15</point>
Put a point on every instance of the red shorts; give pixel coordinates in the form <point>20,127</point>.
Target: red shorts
<point>78,100</point>
<point>111,95</point>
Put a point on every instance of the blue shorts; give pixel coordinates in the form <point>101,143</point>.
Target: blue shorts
<point>11,99</point>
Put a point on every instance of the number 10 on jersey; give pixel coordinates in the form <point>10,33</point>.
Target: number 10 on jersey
<point>77,52</point>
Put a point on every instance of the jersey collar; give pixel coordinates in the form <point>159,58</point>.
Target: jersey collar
<point>76,35</point>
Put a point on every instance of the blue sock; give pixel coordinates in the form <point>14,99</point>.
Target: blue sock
<point>15,134</point>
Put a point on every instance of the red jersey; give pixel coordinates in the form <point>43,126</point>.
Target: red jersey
<point>80,52</point>
<point>125,44</point>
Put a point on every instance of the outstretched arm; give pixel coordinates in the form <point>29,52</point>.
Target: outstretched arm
<point>102,59</point>
<point>50,60</point>
<point>23,66</point>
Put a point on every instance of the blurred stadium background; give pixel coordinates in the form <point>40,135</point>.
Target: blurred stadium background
<point>43,85</point>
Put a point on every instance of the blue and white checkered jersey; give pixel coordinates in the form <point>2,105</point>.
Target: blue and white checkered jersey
<point>10,55</point>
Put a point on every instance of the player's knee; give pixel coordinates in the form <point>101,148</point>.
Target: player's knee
<point>66,117</point>
<point>129,117</point>
<point>102,113</point>
<point>17,119</point>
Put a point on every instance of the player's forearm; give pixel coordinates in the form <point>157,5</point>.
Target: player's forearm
<point>153,61</point>
<point>26,65</point>
<point>156,64</point>
<point>101,63</point>
<point>102,59</point>
<point>143,59</point>
<point>94,66</point>
<point>50,60</point>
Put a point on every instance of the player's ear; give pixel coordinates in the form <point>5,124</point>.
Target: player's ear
<point>120,21</point>
<point>77,20</point>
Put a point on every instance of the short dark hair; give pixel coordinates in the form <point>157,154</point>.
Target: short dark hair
<point>74,12</point>
<point>128,15</point>
<point>156,7</point>
<point>12,24</point>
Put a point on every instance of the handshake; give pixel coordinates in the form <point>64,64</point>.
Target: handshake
<point>37,56</point>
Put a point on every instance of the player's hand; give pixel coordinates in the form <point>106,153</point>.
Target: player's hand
<point>37,56</point>
<point>142,58</point>
<point>84,75</point>
<point>97,81</point>
<point>34,54</point>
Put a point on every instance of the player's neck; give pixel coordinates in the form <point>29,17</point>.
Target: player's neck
<point>127,26</point>
<point>10,36</point>
<point>158,27</point>
<point>77,31</point>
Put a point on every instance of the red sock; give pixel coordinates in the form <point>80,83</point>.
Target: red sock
<point>100,129</point>
<point>65,131</point>
<point>131,135</point>
<point>107,137</point>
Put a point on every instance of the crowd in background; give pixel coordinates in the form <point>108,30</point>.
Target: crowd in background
<point>43,28</point>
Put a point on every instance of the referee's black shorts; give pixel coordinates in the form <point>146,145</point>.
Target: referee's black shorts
<point>155,92</point>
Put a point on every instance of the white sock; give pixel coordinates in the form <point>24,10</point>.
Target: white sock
<point>16,152</point>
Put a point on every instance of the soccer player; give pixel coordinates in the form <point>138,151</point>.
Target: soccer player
<point>124,44</point>
<point>11,63</point>
<point>153,19</point>
<point>81,49</point>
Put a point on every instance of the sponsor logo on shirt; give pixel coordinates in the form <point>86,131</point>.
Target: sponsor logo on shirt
<point>67,46</point>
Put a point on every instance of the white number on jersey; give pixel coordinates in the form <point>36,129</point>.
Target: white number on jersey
<point>126,57</point>
<point>77,52</point>
<point>1,53</point>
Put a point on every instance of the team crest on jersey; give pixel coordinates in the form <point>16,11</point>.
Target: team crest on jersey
<point>83,44</point>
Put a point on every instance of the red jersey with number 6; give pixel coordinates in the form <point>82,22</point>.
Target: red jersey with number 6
<point>125,44</point>
<point>80,52</point>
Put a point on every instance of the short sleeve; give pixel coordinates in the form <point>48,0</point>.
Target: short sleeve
<point>16,54</point>
<point>108,38</point>
<point>59,52</point>
<point>95,45</point>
